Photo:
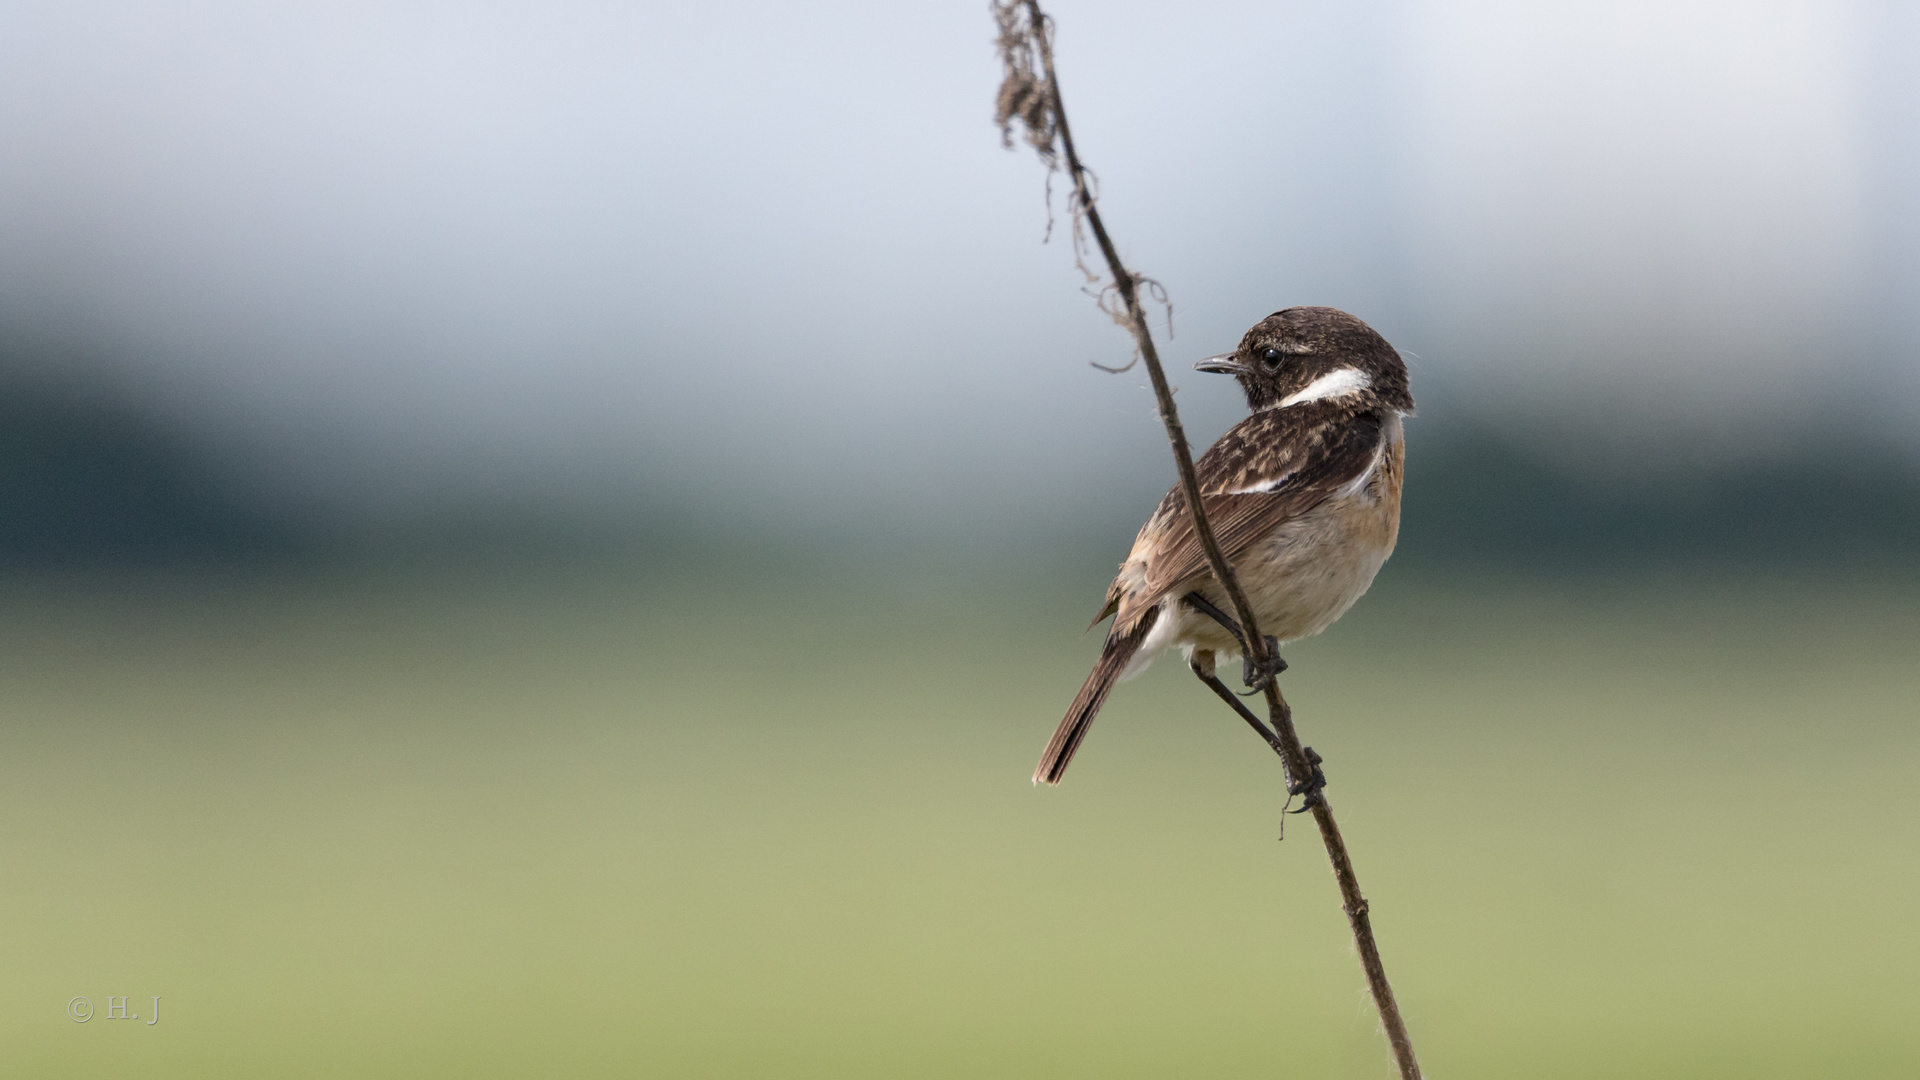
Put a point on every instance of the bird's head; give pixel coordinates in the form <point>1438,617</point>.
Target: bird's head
<point>1306,354</point>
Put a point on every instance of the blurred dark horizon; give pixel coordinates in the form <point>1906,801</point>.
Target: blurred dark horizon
<point>94,477</point>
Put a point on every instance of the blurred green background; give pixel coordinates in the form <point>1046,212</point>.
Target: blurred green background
<point>614,820</point>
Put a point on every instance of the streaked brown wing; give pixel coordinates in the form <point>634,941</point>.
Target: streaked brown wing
<point>1269,468</point>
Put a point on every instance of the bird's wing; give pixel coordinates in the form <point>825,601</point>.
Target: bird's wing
<point>1271,467</point>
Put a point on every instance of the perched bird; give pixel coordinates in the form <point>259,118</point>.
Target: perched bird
<point>1303,495</point>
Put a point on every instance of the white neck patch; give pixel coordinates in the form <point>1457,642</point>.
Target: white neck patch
<point>1333,384</point>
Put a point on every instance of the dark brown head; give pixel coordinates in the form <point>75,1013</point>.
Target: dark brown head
<point>1313,354</point>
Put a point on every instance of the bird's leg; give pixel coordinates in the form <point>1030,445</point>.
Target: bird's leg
<point>1202,665</point>
<point>1204,672</point>
<point>1256,678</point>
<point>1205,607</point>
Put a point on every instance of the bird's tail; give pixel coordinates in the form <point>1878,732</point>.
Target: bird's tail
<point>1114,657</point>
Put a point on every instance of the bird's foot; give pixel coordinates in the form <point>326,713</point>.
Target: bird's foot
<point>1311,786</point>
<point>1257,676</point>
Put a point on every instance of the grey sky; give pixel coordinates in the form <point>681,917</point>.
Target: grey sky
<point>405,251</point>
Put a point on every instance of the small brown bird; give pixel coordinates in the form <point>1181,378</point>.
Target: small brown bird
<point>1304,497</point>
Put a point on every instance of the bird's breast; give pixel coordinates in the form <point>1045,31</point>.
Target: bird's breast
<point>1310,570</point>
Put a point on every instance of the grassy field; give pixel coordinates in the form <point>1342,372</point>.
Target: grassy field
<point>608,823</point>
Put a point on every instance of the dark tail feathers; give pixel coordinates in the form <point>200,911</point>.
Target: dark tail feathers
<point>1114,657</point>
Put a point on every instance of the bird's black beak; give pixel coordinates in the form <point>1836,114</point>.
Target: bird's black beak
<point>1224,364</point>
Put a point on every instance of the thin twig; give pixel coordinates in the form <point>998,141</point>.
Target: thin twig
<point>1025,97</point>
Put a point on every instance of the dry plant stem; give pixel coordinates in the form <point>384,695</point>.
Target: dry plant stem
<point>1354,904</point>
<point>1292,753</point>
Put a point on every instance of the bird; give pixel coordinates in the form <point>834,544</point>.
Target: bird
<point>1303,496</point>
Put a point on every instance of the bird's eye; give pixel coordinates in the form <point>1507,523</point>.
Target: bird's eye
<point>1270,359</point>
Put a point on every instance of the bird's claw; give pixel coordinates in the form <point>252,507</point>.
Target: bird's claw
<point>1257,676</point>
<point>1311,786</point>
